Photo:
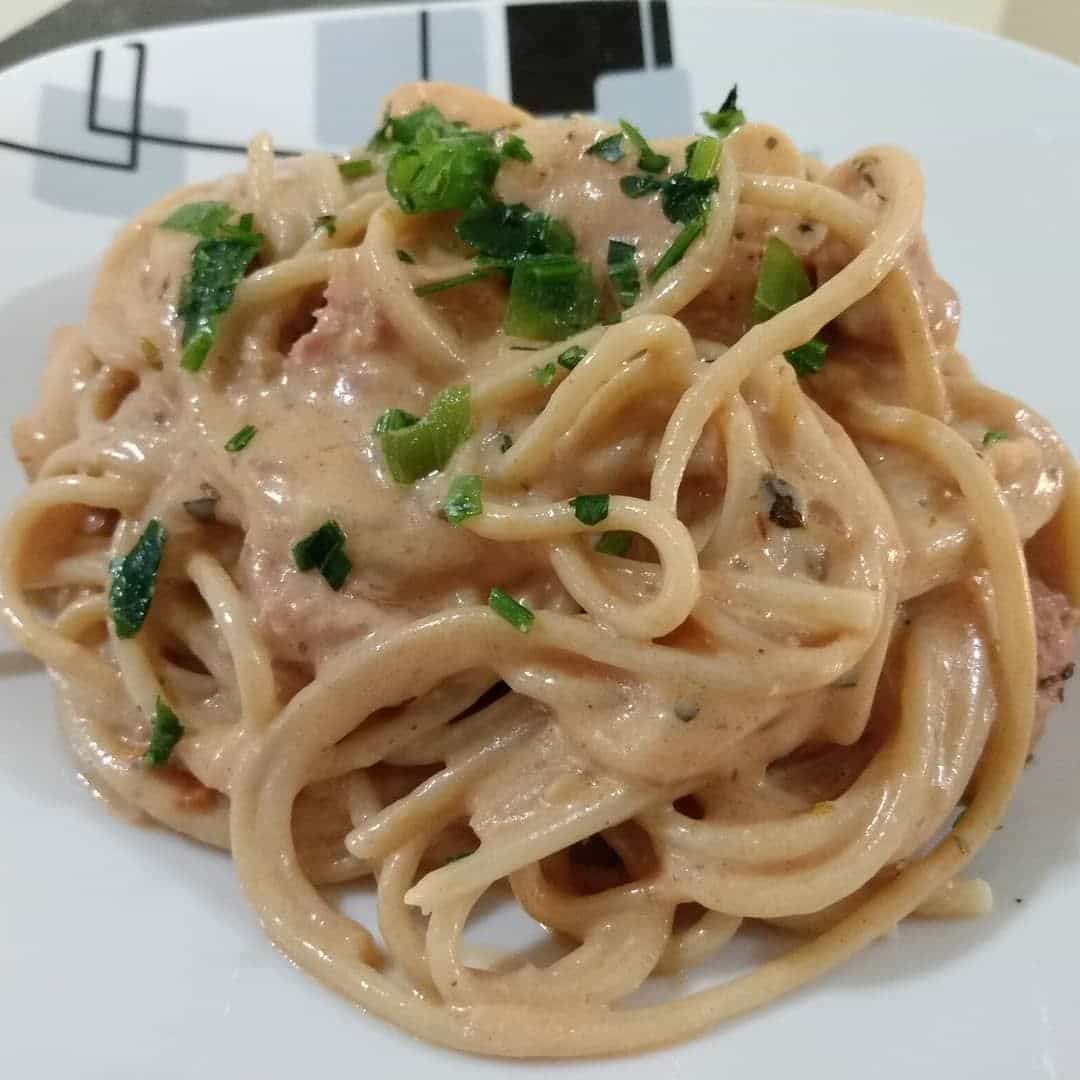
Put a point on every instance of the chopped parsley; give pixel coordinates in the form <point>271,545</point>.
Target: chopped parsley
<point>515,148</point>
<point>636,187</point>
<point>414,448</point>
<point>616,542</point>
<point>609,148</point>
<point>220,259</point>
<point>327,222</point>
<point>591,509</point>
<point>544,375</point>
<point>728,117</point>
<point>324,550</point>
<point>203,219</point>
<point>648,159</point>
<point>443,284</point>
<point>510,232</point>
<point>356,169</point>
<point>241,438</point>
<point>132,580</point>
<point>677,249</point>
<point>448,171</point>
<point>783,281</point>
<point>165,732</point>
<point>517,615</point>
<point>623,272</point>
<point>992,437</point>
<point>551,297</point>
<point>570,358</point>
<point>463,499</point>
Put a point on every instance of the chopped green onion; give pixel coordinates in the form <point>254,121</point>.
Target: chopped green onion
<point>394,420</point>
<point>517,615</point>
<point>684,199</point>
<point>686,236</point>
<point>404,256</point>
<point>241,438</point>
<point>199,218</point>
<point>327,222</point>
<point>783,281</point>
<point>623,272</point>
<point>312,551</point>
<point>132,580</point>
<point>544,375</point>
<point>407,128</point>
<point>591,509</point>
<point>515,148</point>
<point>324,550</point>
<point>424,447</point>
<point>704,155</point>
<point>165,732</point>
<point>503,232</point>
<point>570,358</point>
<point>636,187</point>
<point>356,169</point>
<point>648,159</point>
<point>463,500</point>
<point>992,437</point>
<point>448,172</point>
<point>609,148</point>
<point>616,542</point>
<point>431,287</point>
<point>728,117</point>
<point>551,297</point>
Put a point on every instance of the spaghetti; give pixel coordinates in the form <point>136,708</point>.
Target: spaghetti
<point>510,514</point>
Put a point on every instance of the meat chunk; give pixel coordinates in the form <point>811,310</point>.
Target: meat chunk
<point>1054,623</point>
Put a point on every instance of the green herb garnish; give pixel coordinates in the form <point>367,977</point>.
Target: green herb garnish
<point>327,222</point>
<point>783,281</point>
<point>570,358</point>
<point>506,440</point>
<point>132,580</point>
<point>616,542</point>
<point>728,117</point>
<point>677,249</point>
<point>404,256</point>
<point>442,172</point>
<point>648,159</point>
<point>356,169</point>
<point>623,272</point>
<point>591,509</point>
<point>517,615</point>
<point>515,148</point>
<point>467,278</point>
<point>416,449</point>
<point>609,148</point>
<point>324,550</point>
<point>165,732</point>
<point>218,263</point>
<point>199,218</point>
<point>241,438</point>
<point>551,297</point>
<point>636,187</point>
<point>463,500</point>
<point>544,375</point>
<point>992,437</point>
<point>503,232</point>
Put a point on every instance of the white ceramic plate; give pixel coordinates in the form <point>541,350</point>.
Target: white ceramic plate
<point>127,952</point>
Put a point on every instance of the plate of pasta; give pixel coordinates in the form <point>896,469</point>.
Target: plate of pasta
<point>514,561</point>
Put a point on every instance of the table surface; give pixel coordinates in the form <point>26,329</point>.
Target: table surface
<point>28,27</point>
